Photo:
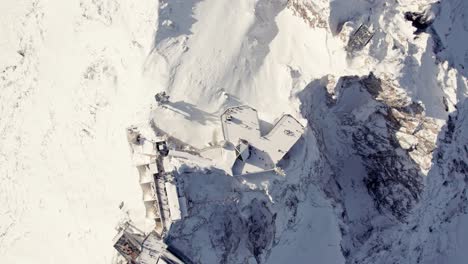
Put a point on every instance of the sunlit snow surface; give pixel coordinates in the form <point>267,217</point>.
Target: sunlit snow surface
<point>64,160</point>
<point>75,74</point>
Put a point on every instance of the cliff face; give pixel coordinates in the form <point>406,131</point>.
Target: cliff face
<point>436,229</point>
<point>378,143</point>
<point>398,147</point>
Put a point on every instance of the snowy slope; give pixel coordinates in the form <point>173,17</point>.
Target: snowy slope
<point>379,176</point>
<point>71,81</point>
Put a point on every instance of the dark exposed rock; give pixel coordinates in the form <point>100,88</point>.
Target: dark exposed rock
<point>421,21</point>
<point>372,84</point>
<point>227,224</point>
<point>393,185</point>
<point>260,225</point>
<point>389,140</point>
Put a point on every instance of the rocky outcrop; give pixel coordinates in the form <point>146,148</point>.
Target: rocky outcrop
<point>260,224</point>
<point>310,11</point>
<point>395,143</point>
<point>379,145</point>
<point>391,135</point>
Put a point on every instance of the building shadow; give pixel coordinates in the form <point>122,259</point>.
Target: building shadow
<point>192,112</point>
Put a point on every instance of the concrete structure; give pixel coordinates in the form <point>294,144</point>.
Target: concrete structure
<point>253,151</point>
<point>240,122</point>
<point>155,251</point>
<point>162,149</point>
<point>161,196</point>
<point>243,150</point>
<point>177,203</point>
<point>147,174</point>
<point>138,248</point>
<point>128,242</point>
<point>359,39</point>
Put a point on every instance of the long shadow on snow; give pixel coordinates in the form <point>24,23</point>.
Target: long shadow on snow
<point>256,45</point>
<point>192,112</point>
<point>175,19</point>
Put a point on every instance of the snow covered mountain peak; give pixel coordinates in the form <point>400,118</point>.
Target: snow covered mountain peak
<point>379,175</point>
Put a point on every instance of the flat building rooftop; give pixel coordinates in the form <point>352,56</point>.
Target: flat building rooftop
<point>240,126</point>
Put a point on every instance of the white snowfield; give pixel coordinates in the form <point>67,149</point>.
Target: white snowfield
<point>75,74</point>
<point>65,166</point>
